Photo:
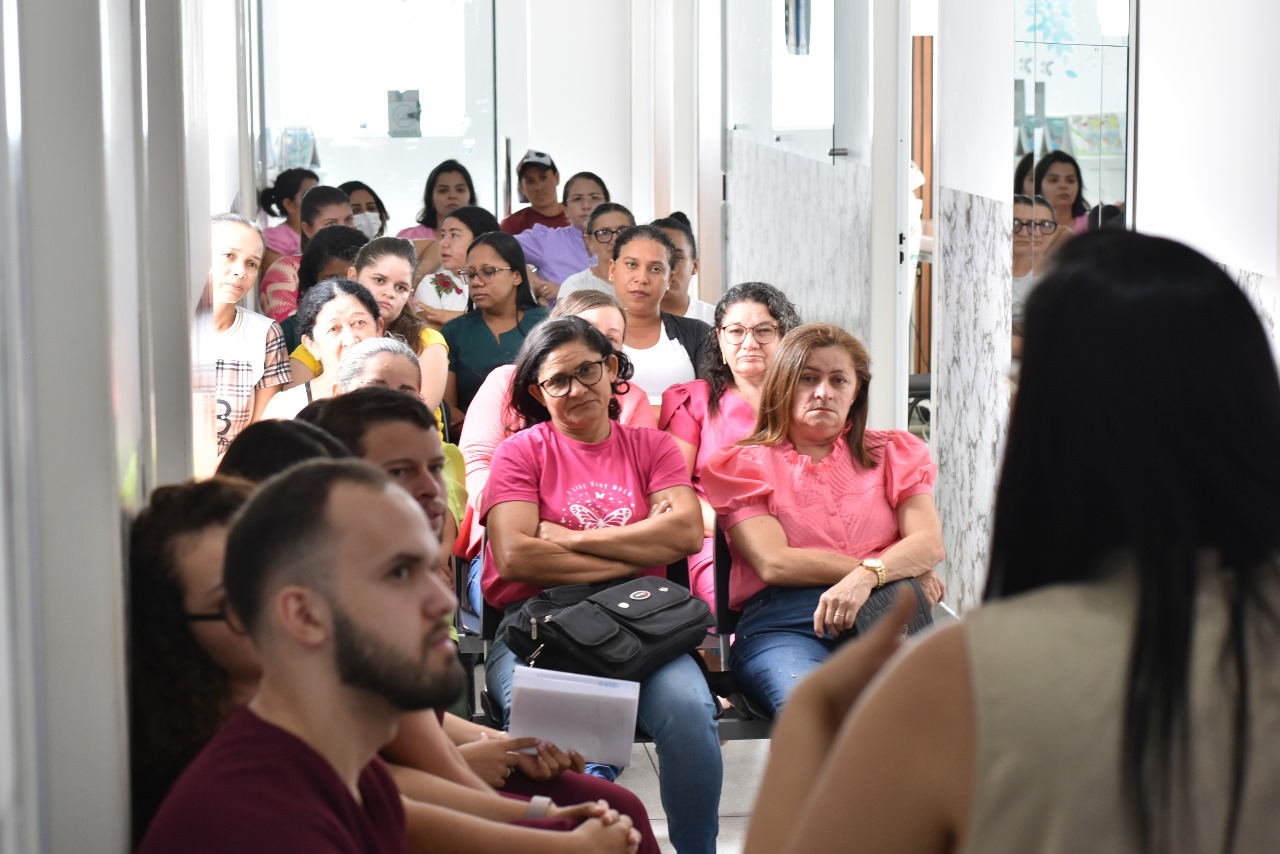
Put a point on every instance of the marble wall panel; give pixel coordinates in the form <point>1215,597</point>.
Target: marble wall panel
<point>802,225</point>
<point>973,306</point>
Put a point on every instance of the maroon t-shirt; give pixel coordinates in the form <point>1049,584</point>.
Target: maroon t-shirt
<point>257,788</point>
<point>523,220</point>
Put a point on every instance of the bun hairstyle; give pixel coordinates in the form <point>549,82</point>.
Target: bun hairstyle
<point>678,221</point>
<point>287,185</point>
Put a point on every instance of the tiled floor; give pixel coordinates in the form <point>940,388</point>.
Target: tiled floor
<point>744,763</point>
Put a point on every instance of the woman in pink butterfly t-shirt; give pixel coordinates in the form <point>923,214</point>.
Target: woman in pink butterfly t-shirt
<point>577,498</point>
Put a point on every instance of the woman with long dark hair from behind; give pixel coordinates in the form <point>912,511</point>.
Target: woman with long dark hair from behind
<point>1116,691</point>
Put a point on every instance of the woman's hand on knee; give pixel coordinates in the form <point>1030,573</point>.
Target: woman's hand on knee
<point>839,604</point>
<point>610,833</point>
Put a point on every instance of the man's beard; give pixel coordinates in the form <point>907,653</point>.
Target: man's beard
<point>366,663</point>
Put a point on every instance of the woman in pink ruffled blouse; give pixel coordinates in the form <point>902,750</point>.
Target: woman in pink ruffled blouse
<point>825,519</point>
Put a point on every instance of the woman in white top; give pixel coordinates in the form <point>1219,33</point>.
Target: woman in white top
<point>442,295</point>
<point>606,222</point>
<point>1117,690</point>
<point>664,348</point>
<point>678,300</point>
<point>333,315</point>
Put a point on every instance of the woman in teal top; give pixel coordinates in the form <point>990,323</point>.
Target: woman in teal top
<point>500,313</point>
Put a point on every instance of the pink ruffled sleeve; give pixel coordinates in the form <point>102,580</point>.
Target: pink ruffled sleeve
<point>684,411</point>
<point>738,485</point>
<point>909,470</point>
<point>636,410</point>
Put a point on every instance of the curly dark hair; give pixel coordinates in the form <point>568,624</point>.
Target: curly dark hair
<point>178,696</point>
<point>713,368</point>
<point>545,338</point>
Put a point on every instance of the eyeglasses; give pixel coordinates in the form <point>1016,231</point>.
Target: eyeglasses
<point>222,615</point>
<point>588,374</point>
<point>1044,226</point>
<point>594,198</point>
<point>763,334</point>
<point>606,235</point>
<point>484,275</point>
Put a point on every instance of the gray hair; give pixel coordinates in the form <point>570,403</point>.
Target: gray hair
<point>237,219</point>
<point>356,359</point>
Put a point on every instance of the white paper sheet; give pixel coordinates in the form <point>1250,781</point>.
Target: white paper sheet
<point>590,714</point>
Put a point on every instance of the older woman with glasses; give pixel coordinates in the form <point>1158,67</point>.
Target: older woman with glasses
<point>606,222</point>
<point>822,515</point>
<point>501,312</point>
<point>707,414</point>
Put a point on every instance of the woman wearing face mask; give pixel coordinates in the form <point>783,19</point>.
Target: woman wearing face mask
<point>664,348</point>
<point>369,213</point>
<point>606,222</point>
<point>442,296</point>
<point>490,334</point>
<point>711,413</point>
<point>322,207</point>
<point>558,253</point>
<point>284,198</point>
<point>678,300</point>
<point>333,315</point>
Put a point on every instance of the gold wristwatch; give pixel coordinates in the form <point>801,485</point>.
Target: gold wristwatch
<point>877,566</point>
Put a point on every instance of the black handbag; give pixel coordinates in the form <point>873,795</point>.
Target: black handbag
<point>623,630</point>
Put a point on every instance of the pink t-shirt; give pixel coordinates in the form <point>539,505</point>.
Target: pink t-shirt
<point>282,239</point>
<point>278,290</point>
<point>417,232</point>
<point>490,419</point>
<point>578,485</point>
<point>834,505</point>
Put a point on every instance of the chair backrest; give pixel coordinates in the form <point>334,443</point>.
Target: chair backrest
<point>726,618</point>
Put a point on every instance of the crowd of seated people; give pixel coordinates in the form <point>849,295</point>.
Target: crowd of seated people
<point>294,676</point>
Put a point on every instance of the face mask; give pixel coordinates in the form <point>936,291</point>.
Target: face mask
<point>368,222</point>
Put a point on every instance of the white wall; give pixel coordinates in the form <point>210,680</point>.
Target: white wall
<point>563,81</point>
<point>975,96</point>
<point>1208,136</point>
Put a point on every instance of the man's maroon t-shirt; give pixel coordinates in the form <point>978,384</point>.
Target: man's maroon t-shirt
<point>257,788</point>
<point>523,220</point>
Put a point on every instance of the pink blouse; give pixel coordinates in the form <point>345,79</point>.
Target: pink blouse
<point>417,232</point>
<point>834,505</point>
<point>490,419</point>
<point>686,415</point>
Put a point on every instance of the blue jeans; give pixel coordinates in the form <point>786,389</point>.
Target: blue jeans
<point>775,646</point>
<point>677,711</point>
<point>474,597</point>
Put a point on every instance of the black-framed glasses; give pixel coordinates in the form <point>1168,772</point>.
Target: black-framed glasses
<point>222,615</point>
<point>606,235</point>
<point>1044,226</point>
<point>588,373</point>
<point>763,334</point>
<point>484,275</point>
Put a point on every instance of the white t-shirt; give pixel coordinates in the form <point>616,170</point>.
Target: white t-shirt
<point>586,280</point>
<point>453,299</point>
<point>1022,286</point>
<point>248,356</point>
<point>699,310</point>
<point>661,366</point>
